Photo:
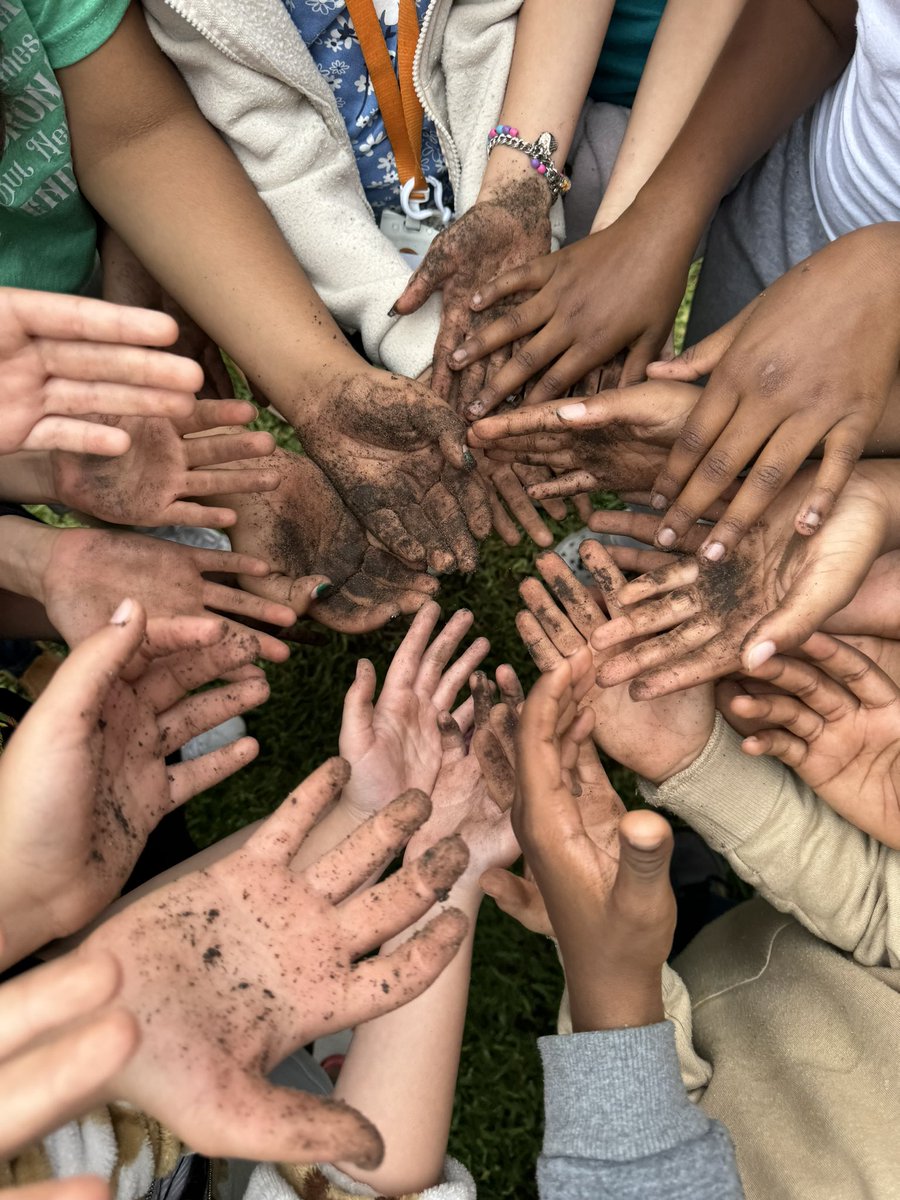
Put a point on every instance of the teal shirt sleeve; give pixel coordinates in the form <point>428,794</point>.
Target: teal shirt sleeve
<point>632,29</point>
<point>70,30</point>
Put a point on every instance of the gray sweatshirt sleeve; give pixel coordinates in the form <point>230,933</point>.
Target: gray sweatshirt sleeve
<point>619,1124</point>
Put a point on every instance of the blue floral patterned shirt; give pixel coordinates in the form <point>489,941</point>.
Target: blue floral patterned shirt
<point>328,32</point>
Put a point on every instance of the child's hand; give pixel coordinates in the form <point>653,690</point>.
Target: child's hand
<point>611,906</point>
<point>583,311</point>
<point>84,779</point>
<point>614,440</point>
<point>397,457</point>
<point>89,570</point>
<point>230,969</point>
<point>160,480</point>
<point>60,1044</point>
<point>812,359</point>
<point>835,721</point>
<point>657,738</point>
<point>772,594</point>
<point>63,358</point>
<point>396,743</point>
<point>311,539</point>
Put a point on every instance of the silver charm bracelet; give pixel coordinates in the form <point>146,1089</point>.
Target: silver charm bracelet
<point>539,152</point>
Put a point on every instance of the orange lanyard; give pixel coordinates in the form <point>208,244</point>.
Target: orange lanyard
<point>396,95</point>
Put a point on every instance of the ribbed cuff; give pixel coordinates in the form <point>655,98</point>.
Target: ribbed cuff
<point>616,1094</point>
<point>724,794</point>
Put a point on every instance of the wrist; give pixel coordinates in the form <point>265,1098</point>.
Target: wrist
<point>875,482</point>
<point>315,390</point>
<point>612,999</point>
<point>27,477</point>
<point>27,549</point>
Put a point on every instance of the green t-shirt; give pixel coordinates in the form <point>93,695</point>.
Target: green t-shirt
<point>48,233</point>
<point>632,28</point>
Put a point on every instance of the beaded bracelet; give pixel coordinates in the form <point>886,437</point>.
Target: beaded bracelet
<point>539,153</point>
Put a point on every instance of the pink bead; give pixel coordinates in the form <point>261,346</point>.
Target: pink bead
<point>513,132</point>
<point>493,133</point>
<point>542,170</point>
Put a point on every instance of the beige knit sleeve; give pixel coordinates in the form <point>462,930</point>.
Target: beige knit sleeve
<point>778,836</point>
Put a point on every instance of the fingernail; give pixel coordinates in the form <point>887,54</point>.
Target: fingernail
<point>322,589</point>
<point>459,355</point>
<point>759,654</point>
<point>468,458</point>
<point>123,613</point>
<point>658,501</point>
<point>571,412</point>
<point>667,537</point>
<point>714,552</point>
<point>476,299</point>
<point>392,311</point>
<point>811,518</point>
<point>659,363</point>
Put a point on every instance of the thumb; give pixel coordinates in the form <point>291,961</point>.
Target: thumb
<point>805,608</point>
<point>698,360</point>
<point>443,426</point>
<point>645,851</point>
<point>420,285</point>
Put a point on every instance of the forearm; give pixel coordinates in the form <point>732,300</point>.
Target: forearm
<point>778,59</point>
<point>167,184</point>
<point>401,1069</point>
<point>548,77</point>
<point>690,38</point>
<point>25,548</point>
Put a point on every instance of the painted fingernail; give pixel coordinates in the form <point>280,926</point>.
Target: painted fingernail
<point>667,537</point>
<point>322,589</point>
<point>571,412</point>
<point>123,613</point>
<point>459,355</point>
<point>468,458</point>
<point>759,654</point>
<point>476,299</point>
<point>392,311</point>
<point>714,552</point>
<point>658,501</point>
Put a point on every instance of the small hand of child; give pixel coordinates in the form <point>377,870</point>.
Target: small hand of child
<point>63,358</point>
<point>812,359</point>
<point>84,779</point>
<point>835,720</point>
<point>164,475</point>
<point>607,890</point>
<point>232,968</point>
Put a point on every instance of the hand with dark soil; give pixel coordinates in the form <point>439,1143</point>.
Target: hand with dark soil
<point>612,441</point>
<point>507,227</point>
<point>774,591</point>
<point>397,457</point>
<point>306,533</point>
<point>165,474</point>
<point>85,781</point>
<point>231,969</point>
<point>87,572</point>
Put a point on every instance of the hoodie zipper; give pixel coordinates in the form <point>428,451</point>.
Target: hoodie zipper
<point>448,146</point>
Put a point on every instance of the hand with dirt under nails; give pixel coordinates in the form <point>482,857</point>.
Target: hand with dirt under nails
<point>611,441</point>
<point>397,457</point>
<point>61,1041</point>
<point>323,563</point>
<point>81,575</point>
<point>617,289</point>
<point>833,718</point>
<point>810,361</point>
<point>396,743</point>
<point>504,228</point>
<point>64,359</point>
<point>84,780</point>
<point>165,474</point>
<point>231,969</point>
<point>655,738</point>
<point>603,873</point>
<point>774,591</point>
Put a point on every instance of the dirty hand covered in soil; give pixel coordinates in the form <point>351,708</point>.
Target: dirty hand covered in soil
<point>504,229</point>
<point>774,591</point>
<point>85,779</point>
<point>167,579</point>
<point>614,440</point>
<point>323,563</point>
<point>165,475</point>
<point>397,457</point>
<point>231,969</point>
